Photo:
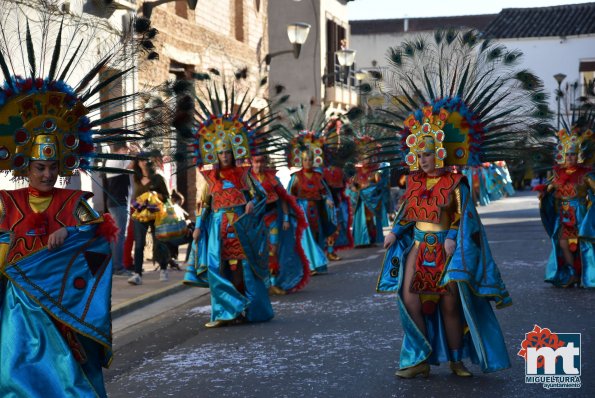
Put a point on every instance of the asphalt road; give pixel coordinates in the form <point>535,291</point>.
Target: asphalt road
<point>338,338</point>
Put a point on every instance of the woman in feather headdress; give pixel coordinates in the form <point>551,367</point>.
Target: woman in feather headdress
<point>459,102</point>
<point>506,178</point>
<point>55,268</point>
<point>369,189</point>
<point>286,223</point>
<point>566,206</point>
<point>339,154</point>
<point>306,151</point>
<point>230,250</point>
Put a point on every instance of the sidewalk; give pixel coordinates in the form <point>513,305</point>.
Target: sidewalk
<point>127,298</point>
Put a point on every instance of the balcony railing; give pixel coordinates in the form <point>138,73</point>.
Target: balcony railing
<point>344,76</point>
<point>340,76</point>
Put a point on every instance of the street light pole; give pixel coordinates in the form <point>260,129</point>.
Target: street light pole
<point>346,58</point>
<point>297,34</point>
<point>559,78</point>
<point>360,75</point>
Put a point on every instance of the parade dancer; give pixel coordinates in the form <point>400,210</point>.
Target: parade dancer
<point>369,189</point>
<point>230,248</point>
<point>342,238</point>
<point>438,259</point>
<point>567,212</point>
<point>507,180</point>
<point>55,267</point>
<point>339,150</point>
<point>313,195</point>
<point>495,182</point>
<point>476,177</point>
<point>286,223</point>
<point>315,146</point>
<point>434,291</point>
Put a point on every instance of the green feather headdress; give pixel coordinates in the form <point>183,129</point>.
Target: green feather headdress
<point>495,106</point>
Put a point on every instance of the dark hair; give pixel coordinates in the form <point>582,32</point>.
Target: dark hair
<point>177,197</point>
<point>138,172</point>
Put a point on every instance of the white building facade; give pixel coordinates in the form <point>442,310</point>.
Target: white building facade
<point>314,78</point>
<point>550,44</point>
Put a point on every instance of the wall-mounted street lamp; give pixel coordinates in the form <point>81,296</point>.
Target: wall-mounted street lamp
<point>297,34</point>
<point>559,78</point>
<point>346,57</point>
<point>148,7</point>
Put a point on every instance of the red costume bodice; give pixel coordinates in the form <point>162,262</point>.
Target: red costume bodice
<point>334,177</point>
<point>31,230</point>
<point>569,182</point>
<point>310,188</point>
<point>269,183</point>
<point>227,186</point>
<point>364,176</point>
<point>426,205</point>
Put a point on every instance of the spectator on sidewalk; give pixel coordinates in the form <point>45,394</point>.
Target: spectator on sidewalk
<point>127,258</point>
<point>118,186</point>
<point>146,179</point>
<point>177,200</point>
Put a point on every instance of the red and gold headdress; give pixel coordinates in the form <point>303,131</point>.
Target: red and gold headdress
<point>306,143</point>
<point>317,136</point>
<point>426,136</point>
<point>55,112</point>
<point>223,133</point>
<point>219,124</point>
<point>49,128</point>
<point>573,142</point>
<point>463,97</point>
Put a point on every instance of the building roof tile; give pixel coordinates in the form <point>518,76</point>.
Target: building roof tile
<point>396,26</point>
<point>564,20</point>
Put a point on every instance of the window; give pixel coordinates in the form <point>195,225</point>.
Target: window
<point>182,9</point>
<point>335,37</point>
<point>587,77</point>
<point>239,20</point>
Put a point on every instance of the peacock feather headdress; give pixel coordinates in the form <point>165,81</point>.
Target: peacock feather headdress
<point>59,74</point>
<point>465,96</point>
<point>372,133</point>
<point>221,117</point>
<point>578,123</point>
<point>326,136</point>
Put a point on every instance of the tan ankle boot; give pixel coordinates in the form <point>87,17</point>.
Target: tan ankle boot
<point>275,290</point>
<point>459,369</point>
<point>412,372</point>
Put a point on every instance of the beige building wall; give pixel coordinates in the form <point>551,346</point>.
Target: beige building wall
<point>227,35</point>
<point>303,77</point>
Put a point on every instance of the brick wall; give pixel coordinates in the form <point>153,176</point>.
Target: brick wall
<point>207,38</point>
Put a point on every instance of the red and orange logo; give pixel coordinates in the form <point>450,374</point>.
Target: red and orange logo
<point>539,338</point>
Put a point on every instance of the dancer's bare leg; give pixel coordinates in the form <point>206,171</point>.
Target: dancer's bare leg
<point>411,300</point>
<point>451,314</point>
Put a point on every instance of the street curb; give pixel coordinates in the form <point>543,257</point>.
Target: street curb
<point>146,299</point>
